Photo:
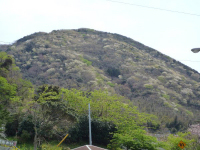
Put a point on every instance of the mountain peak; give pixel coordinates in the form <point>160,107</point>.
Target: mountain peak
<point>88,59</point>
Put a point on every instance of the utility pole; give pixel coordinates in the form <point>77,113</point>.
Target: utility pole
<point>90,135</point>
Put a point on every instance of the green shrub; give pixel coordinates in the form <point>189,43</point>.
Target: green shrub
<point>166,96</point>
<point>26,127</point>
<point>25,136</point>
<point>161,78</point>
<point>148,86</point>
<point>111,84</point>
<point>11,127</point>
<point>175,125</point>
<point>85,61</point>
<point>189,112</point>
<point>167,104</point>
<point>173,141</point>
<point>100,131</point>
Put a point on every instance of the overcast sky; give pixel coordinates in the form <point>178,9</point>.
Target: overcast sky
<point>173,34</point>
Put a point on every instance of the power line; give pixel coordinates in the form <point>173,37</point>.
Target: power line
<point>189,60</point>
<point>173,11</point>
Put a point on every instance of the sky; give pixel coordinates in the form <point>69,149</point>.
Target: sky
<point>173,34</point>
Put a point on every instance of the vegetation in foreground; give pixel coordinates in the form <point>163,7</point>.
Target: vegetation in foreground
<point>86,59</point>
<point>47,113</point>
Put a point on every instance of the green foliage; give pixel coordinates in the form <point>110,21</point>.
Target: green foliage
<point>111,84</point>
<point>12,126</point>
<point>161,78</point>
<point>111,109</point>
<point>175,125</point>
<point>133,139</point>
<point>26,127</point>
<point>100,131</point>
<point>153,126</point>
<point>104,106</point>
<point>25,89</point>
<point>189,112</point>
<point>42,110</point>
<point>4,115</point>
<point>85,61</point>
<point>173,141</point>
<point>25,136</point>
<point>119,53</point>
<point>117,59</point>
<point>167,104</point>
<point>148,86</point>
<point>7,91</point>
<point>5,62</point>
<point>166,96</point>
<point>49,98</point>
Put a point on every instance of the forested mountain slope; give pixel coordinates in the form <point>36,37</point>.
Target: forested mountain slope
<point>87,59</point>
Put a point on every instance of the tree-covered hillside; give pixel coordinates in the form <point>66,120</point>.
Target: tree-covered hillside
<point>45,113</point>
<point>87,59</point>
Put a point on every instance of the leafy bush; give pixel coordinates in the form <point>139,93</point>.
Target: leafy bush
<point>148,86</point>
<point>173,141</point>
<point>161,78</point>
<point>166,96</point>
<point>111,84</point>
<point>26,127</point>
<point>189,112</point>
<point>25,136</point>
<point>85,61</point>
<point>133,140</point>
<point>100,131</point>
<point>11,127</point>
<point>175,125</point>
<point>153,127</point>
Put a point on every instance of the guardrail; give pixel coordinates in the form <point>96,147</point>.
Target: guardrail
<point>8,143</point>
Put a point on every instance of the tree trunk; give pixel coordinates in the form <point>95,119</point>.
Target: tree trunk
<point>35,138</point>
<point>36,134</point>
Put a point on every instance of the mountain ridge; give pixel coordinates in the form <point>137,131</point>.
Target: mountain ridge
<point>87,59</point>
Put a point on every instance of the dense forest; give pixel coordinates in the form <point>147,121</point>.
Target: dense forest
<point>48,80</point>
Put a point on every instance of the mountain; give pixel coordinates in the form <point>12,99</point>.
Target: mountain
<point>87,59</point>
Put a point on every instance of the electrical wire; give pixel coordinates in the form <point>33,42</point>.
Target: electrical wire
<point>189,60</point>
<point>173,11</point>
